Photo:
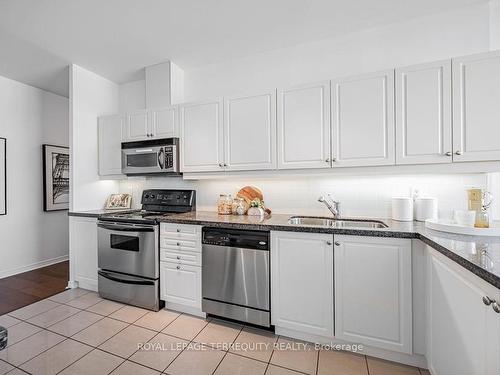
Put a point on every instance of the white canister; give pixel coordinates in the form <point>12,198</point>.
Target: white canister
<point>426,208</point>
<point>402,209</point>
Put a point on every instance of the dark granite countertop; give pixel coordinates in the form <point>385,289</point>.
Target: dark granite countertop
<point>98,213</point>
<point>480,255</point>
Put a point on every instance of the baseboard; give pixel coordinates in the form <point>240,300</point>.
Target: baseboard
<point>185,309</point>
<point>33,266</point>
<point>407,359</point>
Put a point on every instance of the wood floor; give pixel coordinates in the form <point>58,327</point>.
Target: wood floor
<point>25,288</point>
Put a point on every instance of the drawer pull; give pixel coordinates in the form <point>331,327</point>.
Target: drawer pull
<point>178,267</point>
<point>487,300</point>
<point>496,307</point>
<point>178,244</point>
<point>178,230</point>
<point>178,257</point>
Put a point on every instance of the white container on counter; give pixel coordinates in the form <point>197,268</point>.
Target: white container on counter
<point>402,209</point>
<point>426,208</point>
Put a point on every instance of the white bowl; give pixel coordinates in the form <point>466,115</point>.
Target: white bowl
<point>465,218</point>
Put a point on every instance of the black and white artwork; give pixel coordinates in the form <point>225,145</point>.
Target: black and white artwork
<point>3,176</point>
<point>55,178</point>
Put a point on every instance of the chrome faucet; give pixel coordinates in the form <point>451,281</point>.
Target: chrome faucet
<point>332,205</point>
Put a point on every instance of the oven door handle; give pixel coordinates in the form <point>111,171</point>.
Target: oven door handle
<point>108,276</point>
<point>125,228</point>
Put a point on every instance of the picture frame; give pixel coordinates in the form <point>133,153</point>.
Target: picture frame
<point>3,176</point>
<point>55,177</point>
<point>118,201</point>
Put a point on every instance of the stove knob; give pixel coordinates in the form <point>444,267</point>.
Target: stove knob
<point>146,196</point>
<point>152,196</point>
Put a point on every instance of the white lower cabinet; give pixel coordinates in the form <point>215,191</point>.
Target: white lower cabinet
<point>180,284</point>
<point>302,284</point>
<point>463,336</point>
<point>373,292</point>
<point>180,267</point>
<point>83,252</point>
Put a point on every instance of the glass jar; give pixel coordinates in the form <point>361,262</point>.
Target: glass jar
<point>482,218</point>
<point>224,204</point>
<point>240,206</point>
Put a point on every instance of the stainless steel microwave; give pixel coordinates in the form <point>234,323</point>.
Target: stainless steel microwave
<point>158,156</point>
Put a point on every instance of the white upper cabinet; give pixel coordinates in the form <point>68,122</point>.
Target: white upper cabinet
<point>110,130</point>
<point>201,130</point>
<point>304,126</point>
<point>423,113</point>
<point>302,282</point>
<point>363,120</point>
<point>373,292</point>
<point>476,109</point>
<point>137,126</point>
<point>463,332</point>
<point>250,131</point>
<point>164,122</point>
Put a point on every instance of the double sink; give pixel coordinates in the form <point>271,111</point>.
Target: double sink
<point>336,223</point>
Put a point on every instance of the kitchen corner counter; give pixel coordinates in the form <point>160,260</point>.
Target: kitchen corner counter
<point>98,213</point>
<point>480,255</point>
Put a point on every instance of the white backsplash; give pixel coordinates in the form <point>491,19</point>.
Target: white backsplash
<point>368,196</point>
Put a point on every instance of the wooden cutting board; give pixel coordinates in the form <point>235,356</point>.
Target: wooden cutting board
<point>249,193</point>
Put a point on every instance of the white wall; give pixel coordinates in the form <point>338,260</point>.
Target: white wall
<point>90,96</point>
<point>132,96</point>
<point>30,237</point>
<point>494,24</point>
<point>438,36</point>
<point>360,196</point>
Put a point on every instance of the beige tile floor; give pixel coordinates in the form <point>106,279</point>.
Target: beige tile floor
<point>78,333</point>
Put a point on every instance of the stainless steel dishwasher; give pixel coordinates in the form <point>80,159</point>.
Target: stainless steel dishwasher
<point>235,275</point>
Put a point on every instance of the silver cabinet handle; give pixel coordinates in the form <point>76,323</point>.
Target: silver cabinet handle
<point>178,257</point>
<point>178,267</point>
<point>178,244</point>
<point>458,152</point>
<point>449,153</point>
<point>328,243</point>
<point>225,165</point>
<point>327,160</point>
<point>221,165</point>
<point>496,307</point>
<point>487,300</point>
<point>178,230</point>
<point>337,243</point>
<point>334,160</point>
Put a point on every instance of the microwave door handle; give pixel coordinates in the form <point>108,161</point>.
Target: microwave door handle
<point>108,276</point>
<point>161,158</point>
<point>124,228</point>
<point>142,150</point>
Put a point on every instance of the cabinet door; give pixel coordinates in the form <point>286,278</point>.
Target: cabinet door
<point>463,333</point>
<point>304,126</point>
<point>83,252</point>
<point>363,120</point>
<point>302,282</point>
<point>165,122</point>
<point>373,292</point>
<point>180,284</point>
<point>137,126</point>
<point>423,114</point>
<point>250,132</point>
<point>110,138</point>
<point>202,137</point>
<point>476,113</point>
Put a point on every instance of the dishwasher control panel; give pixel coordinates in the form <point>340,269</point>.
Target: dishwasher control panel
<point>247,239</point>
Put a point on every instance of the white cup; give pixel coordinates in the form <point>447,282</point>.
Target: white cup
<point>402,209</point>
<point>465,218</point>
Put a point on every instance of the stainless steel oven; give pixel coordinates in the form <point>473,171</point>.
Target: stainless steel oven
<point>128,261</point>
<point>151,157</point>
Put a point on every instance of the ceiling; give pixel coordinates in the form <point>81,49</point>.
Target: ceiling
<point>117,38</point>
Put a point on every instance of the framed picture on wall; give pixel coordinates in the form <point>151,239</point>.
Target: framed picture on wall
<point>3,176</point>
<point>55,178</point>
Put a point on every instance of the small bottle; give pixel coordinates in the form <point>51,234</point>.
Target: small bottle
<point>482,218</point>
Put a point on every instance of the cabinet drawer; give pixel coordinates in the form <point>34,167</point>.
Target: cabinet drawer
<point>180,257</point>
<point>179,230</point>
<point>180,244</point>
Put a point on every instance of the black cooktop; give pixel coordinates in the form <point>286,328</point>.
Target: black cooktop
<point>157,203</point>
